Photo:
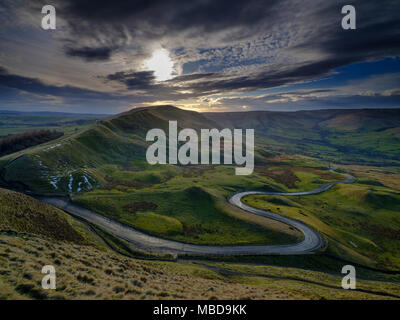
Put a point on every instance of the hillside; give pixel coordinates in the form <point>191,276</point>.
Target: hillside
<point>33,233</point>
<point>87,267</point>
<point>17,142</point>
<point>66,165</point>
<point>23,214</point>
<point>363,136</point>
<point>102,168</point>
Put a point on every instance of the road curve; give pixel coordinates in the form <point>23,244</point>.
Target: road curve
<point>312,239</point>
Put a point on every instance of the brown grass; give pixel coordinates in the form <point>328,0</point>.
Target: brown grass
<point>21,213</point>
<point>283,175</point>
<point>390,177</point>
<point>83,272</point>
<point>135,206</point>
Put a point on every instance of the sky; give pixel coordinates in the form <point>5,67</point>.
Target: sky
<point>203,55</point>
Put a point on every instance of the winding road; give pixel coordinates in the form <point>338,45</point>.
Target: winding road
<point>312,242</point>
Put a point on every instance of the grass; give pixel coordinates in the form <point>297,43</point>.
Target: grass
<point>84,272</point>
<point>200,193</point>
<point>360,221</point>
<point>120,139</point>
<point>291,278</point>
<point>92,271</point>
<point>102,167</point>
<point>23,214</point>
<point>368,137</point>
<point>17,123</point>
<point>87,266</point>
<point>189,215</point>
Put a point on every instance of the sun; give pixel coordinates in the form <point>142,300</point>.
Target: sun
<point>162,65</point>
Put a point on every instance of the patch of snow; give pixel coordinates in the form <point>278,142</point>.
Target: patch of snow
<point>53,181</point>
<point>353,244</point>
<point>52,147</point>
<point>87,182</point>
<point>54,184</point>
<point>71,180</point>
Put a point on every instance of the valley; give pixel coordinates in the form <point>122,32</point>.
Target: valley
<point>102,169</point>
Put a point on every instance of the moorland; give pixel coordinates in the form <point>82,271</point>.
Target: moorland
<point>100,165</point>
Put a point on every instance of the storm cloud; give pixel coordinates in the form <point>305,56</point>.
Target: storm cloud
<point>219,48</point>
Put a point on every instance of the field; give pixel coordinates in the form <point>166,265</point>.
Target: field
<point>19,122</point>
<point>186,206</point>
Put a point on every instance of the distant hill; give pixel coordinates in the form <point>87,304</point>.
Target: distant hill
<point>364,136</point>
<point>51,114</point>
<point>352,136</point>
<point>339,120</point>
<point>15,122</point>
<point>27,139</point>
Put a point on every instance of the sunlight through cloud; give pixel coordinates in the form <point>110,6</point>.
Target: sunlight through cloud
<point>161,64</point>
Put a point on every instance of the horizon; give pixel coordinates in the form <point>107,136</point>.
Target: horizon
<point>206,56</point>
<point>158,106</point>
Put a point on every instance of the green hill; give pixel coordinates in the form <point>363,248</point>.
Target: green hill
<point>363,136</point>
<point>66,165</point>
<point>109,159</point>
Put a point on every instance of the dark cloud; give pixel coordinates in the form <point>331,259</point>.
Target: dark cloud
<point>319,35</point>
<point>193,76</point>
<point>90,54</point>
<point>38,87</point>
<point>268,78</point>
<point>141,80</point>
<point>170,16</point>
<point>120,23</point>
<point>145,19</point>
<point>228,46</point>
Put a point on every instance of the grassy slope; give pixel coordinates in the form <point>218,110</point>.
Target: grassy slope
<point>188,215</point>
<point>84,272</point>
<point>86,269</point>
<point>349,136</point>
<point>33,234</point>
<point>23,214</point>
<point>357,136</point>
<point>106,143</point>
<point>195,200</point>
<point>360,221</point>
<point>47,169</point>
<point>81,163</point>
